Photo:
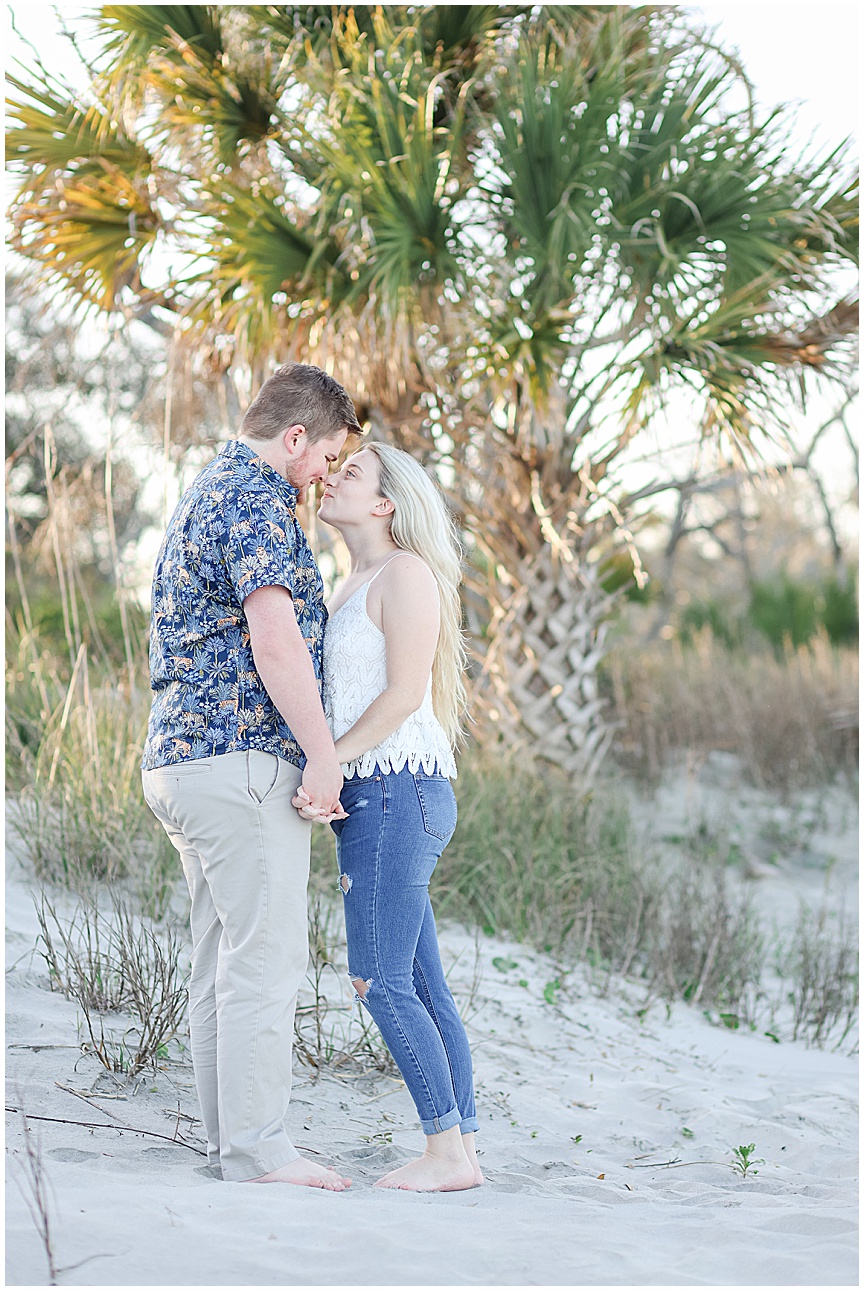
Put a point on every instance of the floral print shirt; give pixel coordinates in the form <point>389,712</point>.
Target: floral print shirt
<point>234,530</point>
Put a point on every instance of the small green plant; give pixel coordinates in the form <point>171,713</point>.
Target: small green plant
<point>743,1161</point>
<point>550,991</point>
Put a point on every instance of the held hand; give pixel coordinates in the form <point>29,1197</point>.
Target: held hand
<point>309,811</point>
<point>322,784</point>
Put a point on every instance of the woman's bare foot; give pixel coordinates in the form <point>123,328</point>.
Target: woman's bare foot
<point>443,1167</point>
<point>307,1174</point>
<point>430,1174</point>
<point>470,1150</point>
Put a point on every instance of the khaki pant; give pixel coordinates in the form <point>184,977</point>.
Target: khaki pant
<point>245,855</point>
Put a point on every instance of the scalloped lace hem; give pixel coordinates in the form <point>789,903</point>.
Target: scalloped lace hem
<point>391,763</point>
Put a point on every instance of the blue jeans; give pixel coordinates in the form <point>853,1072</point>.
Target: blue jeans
<point>398,825</point>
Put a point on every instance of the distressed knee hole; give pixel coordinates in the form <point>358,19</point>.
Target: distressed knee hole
<point>361,986</point>
<point>345,882</point>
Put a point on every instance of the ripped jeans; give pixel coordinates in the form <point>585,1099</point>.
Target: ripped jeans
<point>398,825</point>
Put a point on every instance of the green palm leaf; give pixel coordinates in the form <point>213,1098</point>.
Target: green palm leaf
<point>389,185</point>
<point>257,246</point>
<point>177,54</point>
<point>89,234</point>
<point>52,130</point>
<point>135,33</point>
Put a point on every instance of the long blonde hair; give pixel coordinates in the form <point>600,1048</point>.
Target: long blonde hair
<point>421,523</point>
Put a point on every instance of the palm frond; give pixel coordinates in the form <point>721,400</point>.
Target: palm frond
<point>136,33</point>
<point>89,234</point>
<point>258,246</point>
<point>391,178</point>
<point>53,129</point>
<point>216,79</point>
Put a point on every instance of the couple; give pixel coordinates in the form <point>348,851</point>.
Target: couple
<point>240,758</point>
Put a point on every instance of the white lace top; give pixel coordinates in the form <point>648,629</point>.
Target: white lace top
<point>355,673</point>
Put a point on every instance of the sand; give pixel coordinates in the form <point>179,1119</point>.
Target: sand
<point>606,1140</point>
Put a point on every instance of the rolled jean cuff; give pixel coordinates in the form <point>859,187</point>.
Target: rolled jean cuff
<point>470,1125</point>
<point>439,1124</point>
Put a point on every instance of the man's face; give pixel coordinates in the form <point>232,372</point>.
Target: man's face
<point>306,463</point>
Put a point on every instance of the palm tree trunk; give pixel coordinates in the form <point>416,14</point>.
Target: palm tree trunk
<point>537,689</point>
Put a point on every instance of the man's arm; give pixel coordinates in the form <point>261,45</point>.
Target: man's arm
<point>285,667</point>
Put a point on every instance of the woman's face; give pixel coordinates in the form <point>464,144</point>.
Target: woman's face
<point>351,496</point>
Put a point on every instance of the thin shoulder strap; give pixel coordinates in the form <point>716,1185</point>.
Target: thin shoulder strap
<point>387,562</point>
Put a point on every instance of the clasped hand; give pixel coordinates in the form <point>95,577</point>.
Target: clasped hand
<point>303,803</point>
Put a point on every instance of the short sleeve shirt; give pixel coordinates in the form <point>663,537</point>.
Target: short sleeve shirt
<point>235,530</point>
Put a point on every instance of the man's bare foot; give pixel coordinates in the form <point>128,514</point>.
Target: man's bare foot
<point>307,1174</point>
<point>431,1174</point>
<point>470,1150</point>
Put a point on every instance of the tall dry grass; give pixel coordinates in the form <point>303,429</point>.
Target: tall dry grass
<point>791,720</point>
<point>73,751</point>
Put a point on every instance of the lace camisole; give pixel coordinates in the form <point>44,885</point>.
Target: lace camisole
<point>355,673</point>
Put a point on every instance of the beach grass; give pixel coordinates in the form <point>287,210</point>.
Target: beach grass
<point>790,718</point>
<point>110,960</point>
<point>73,749</point>
<point>533,858</point>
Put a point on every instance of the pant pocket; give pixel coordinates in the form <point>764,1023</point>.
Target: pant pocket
<point>262,772</point>
<point>437,804</point>
<point>161,785</point>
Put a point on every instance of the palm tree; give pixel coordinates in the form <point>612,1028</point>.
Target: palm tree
<point>519,234</point>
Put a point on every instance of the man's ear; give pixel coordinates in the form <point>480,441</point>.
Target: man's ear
<point>294,439</point>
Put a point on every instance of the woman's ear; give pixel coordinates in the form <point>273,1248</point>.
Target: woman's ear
<point>383,507</point>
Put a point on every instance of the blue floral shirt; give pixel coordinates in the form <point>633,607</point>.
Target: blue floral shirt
<point>234,530</point>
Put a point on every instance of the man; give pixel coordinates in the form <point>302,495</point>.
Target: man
<point>236,731</point>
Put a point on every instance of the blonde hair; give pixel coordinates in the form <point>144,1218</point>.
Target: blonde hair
<point>421,523</point>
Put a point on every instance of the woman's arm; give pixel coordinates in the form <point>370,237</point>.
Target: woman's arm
<point>410,621</point>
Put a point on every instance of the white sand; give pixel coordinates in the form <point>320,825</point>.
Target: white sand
<point>128,1210</point>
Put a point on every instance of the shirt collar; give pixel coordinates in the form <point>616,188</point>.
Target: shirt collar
<point>243,453</point>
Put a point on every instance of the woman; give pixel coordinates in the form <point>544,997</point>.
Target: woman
<point>393,663</point>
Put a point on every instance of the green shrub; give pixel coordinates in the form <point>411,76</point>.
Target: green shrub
<point>838,608</point>
<point>784,611</point>
<point>725,628</point>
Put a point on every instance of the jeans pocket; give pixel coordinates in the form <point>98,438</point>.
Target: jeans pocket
<point>437,804</point>
<point>262,772</point>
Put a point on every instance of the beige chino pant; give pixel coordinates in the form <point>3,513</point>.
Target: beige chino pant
<point>245,855</point>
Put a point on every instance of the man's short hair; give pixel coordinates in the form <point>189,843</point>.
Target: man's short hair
<point>299,394</point>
